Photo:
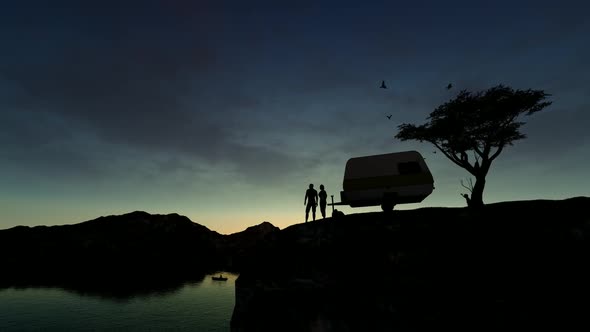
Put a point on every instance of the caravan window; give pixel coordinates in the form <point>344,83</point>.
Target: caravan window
<point>410,167</point>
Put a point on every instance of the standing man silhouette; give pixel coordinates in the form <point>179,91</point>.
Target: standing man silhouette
<point>311,196</point>
<point>323,200</point>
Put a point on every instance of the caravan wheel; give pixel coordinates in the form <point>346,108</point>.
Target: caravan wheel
<point>387,205</point>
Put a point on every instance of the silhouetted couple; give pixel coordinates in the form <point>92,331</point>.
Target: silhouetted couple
<point>311,199</point>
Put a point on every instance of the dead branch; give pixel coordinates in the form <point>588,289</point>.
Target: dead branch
<point>470,188</point>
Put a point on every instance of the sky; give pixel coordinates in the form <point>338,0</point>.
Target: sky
<point>225,111</point>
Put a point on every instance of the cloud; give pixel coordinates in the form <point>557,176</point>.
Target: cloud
<point>151,92</point>
<point>170,83</point>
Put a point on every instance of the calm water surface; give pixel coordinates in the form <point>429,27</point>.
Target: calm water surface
<point>206,305</point>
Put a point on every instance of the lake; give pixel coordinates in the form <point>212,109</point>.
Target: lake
<point>202,305</point>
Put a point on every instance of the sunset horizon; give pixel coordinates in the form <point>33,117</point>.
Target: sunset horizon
<point>225,114</point>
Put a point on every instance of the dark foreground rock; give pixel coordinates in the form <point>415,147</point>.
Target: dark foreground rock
<point>510,265</point>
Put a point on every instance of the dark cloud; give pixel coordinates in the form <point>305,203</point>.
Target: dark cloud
<point>162,92</point>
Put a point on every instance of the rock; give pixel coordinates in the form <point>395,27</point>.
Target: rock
<point>509,264</point>
<point>337,214</point>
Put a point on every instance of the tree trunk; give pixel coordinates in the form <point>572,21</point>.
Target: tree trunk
<point>477,193</point>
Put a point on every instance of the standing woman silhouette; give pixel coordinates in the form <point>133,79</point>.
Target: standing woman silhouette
<point>323,200</point>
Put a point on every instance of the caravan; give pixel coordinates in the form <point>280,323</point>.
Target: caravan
<point>386,180</point>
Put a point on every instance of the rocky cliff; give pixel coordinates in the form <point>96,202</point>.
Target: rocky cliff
<point>512,264</point>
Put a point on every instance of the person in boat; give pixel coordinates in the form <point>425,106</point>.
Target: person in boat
<point>323,200</point>
<point>311,198</point>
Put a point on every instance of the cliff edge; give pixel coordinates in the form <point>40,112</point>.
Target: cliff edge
<point>510,264</point>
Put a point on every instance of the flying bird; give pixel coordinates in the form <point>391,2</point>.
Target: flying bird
<point>383,85</point>
<point>389,117</point>
<point>449,86</point>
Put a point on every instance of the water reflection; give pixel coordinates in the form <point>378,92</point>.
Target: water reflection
<point>193,304</point>
<point>124,289</point>
<point>127,290</point>
<point>121,290</point>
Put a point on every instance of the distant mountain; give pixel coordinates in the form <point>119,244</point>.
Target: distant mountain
<point>250,237</point>
<point>134,246</point>
<point>244,246</point>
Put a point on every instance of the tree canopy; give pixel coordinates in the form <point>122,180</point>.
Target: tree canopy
<point>481,122</point>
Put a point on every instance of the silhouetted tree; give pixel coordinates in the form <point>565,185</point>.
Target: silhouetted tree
<point>482,122</point>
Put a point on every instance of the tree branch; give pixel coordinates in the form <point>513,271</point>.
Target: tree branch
<point>446,154</point>
<point>477,150</point>
<point>470,188</point>
<point>497,153</point>
<point>454,159</point>
<point>486,152</point>
<point>465,163</point>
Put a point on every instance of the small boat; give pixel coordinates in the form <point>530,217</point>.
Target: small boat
<point>220,278</point>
